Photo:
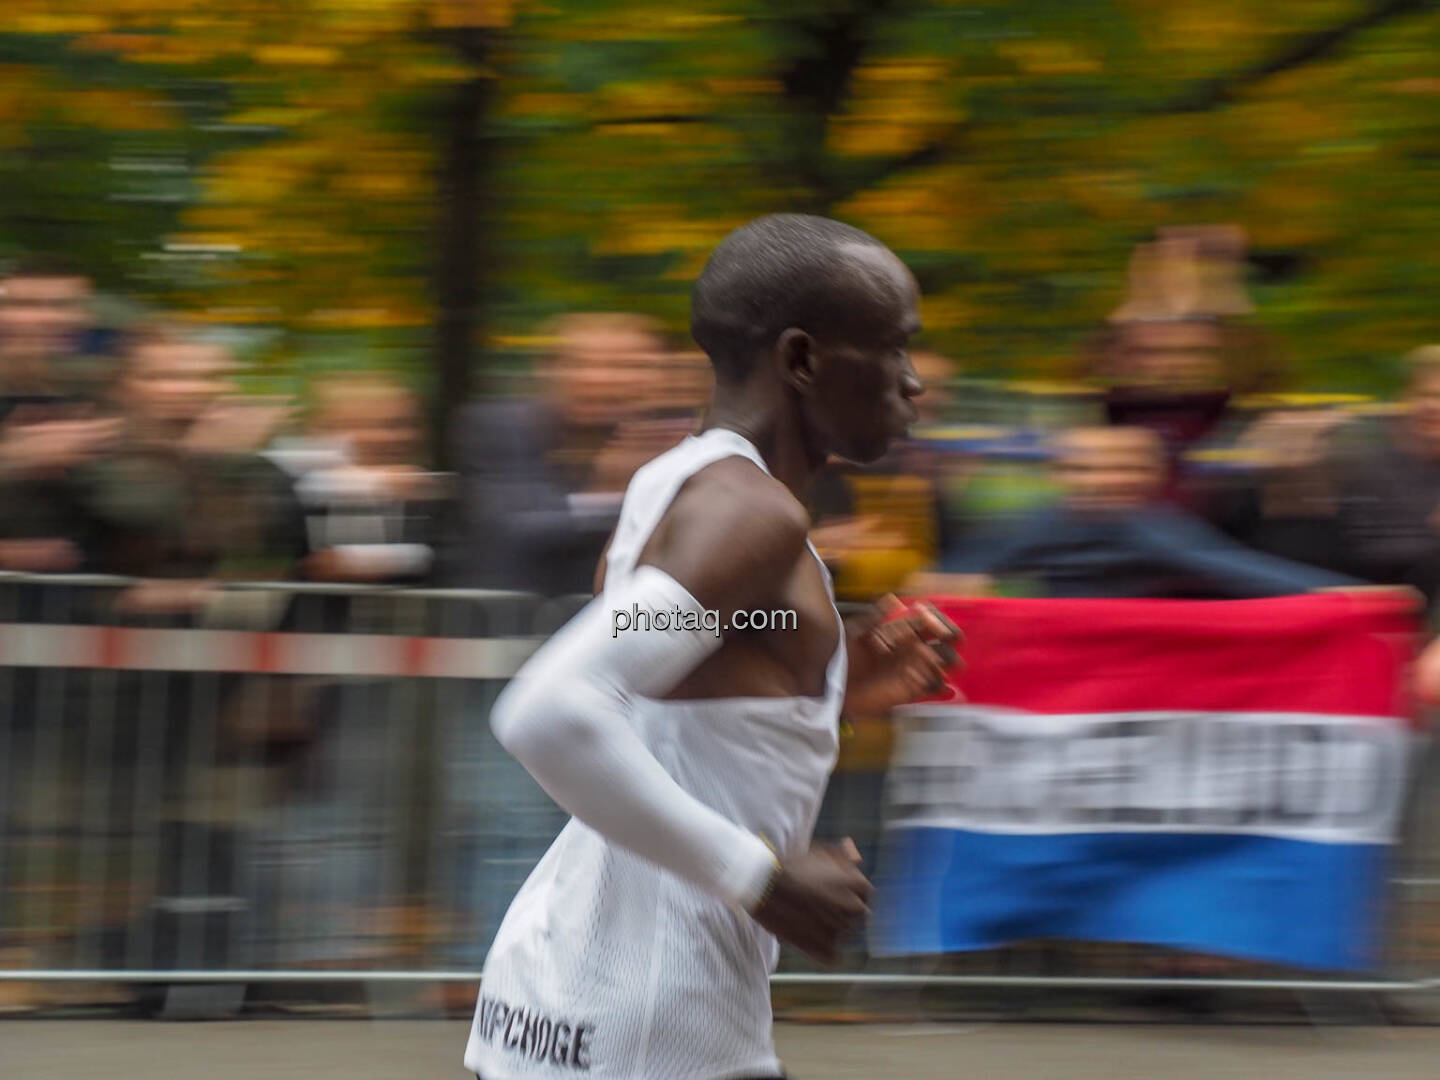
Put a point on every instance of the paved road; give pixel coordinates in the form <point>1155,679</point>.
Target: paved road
<point>400,1050</point>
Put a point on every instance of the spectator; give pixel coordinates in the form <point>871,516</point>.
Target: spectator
<point>1388,488</point>
<point>1179,349</point>
<point>540,477</point>
<point>185,499</point>
<point>50,386</point>
<point>1282,497</point>
<point>671,392</point>
<point>1112,536</point>
<point>1168,377</point>
<point>48,341</point>
<point>370,507</point>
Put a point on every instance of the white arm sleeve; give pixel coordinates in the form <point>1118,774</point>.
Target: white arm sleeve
<point>566,718</point>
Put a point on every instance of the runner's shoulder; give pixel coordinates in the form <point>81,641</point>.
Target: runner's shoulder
<point>731,527</point>
<point>736,498</point>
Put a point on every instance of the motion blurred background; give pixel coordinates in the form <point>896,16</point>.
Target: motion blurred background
<point>355,317</point>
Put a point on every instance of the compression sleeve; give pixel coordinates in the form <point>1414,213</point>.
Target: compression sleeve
<point>566,718</point>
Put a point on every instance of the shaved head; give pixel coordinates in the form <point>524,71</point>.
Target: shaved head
<point>792,271</point>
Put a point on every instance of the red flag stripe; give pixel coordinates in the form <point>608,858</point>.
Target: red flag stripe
<point>1328,653</point>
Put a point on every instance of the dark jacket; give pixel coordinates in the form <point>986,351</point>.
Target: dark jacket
<point>1388,498</point>
<point>517,526</point>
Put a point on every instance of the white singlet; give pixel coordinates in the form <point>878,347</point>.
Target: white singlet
<point>606,964</point>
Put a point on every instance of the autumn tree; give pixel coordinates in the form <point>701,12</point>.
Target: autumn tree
<point>1013,153</point>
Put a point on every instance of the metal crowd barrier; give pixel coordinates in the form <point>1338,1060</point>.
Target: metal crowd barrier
<point>299,785</point>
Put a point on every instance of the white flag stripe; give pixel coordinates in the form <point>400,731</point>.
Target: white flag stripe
<point>1326,779</point>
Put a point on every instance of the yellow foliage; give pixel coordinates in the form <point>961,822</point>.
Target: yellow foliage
<point>361,318</point>
<point>1286,212</point>
<point>172,51</point>
<point>1205,23</point>
<point>671,19</point>
<point>642,98</point>
<point>659,229</point>
<point>55,23</point>
<point>126,44</point>
<point>1415,86</point>
<point>913,71</point>
<point>368,17</point>
<point>928,211</point>
<point>744,86</point>
<point>116,110</point>
<point>296,55</point>
<point>657,239</point>
<point>546,104</point>
<point>527,341</point>
<point>430,72</point>
<point>265,173</point>
<point>1295,123</point>
<point>688,268</point>
<point>400,178</point>
<point>944,312</point>
<point>639,23</point>
<point>18,85</point>
<point>227,220</point>
<point>1197,26</point>
<point>201,22</point>
<point>1108,194</point>
<point>646,130</point>
<point>479,14</point>
<point>874,138</point>
<point>273,117</point>
<point>152,11</point>
<point>896,108</point>
<point>1048,58</point>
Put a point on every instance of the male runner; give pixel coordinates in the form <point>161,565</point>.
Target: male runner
<point>694,762</point>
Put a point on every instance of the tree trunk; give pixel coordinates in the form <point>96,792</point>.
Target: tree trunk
<point>461,263</point>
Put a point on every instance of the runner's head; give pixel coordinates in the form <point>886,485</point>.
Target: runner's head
<point>813,317</point>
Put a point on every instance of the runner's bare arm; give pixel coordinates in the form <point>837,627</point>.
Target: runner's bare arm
<point>566,715</point>
<point>732,538</point>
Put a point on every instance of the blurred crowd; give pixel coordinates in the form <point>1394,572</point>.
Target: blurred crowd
<point>1171,467</point>
<point>1163,473</point>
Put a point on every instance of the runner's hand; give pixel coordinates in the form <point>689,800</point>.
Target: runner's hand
<point>817,901</point>
<point>898,655</point>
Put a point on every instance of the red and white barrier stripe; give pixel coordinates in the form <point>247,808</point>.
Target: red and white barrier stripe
<point>31,645</point>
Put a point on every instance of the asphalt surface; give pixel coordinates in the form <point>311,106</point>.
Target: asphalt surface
<point>397,1050</point>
